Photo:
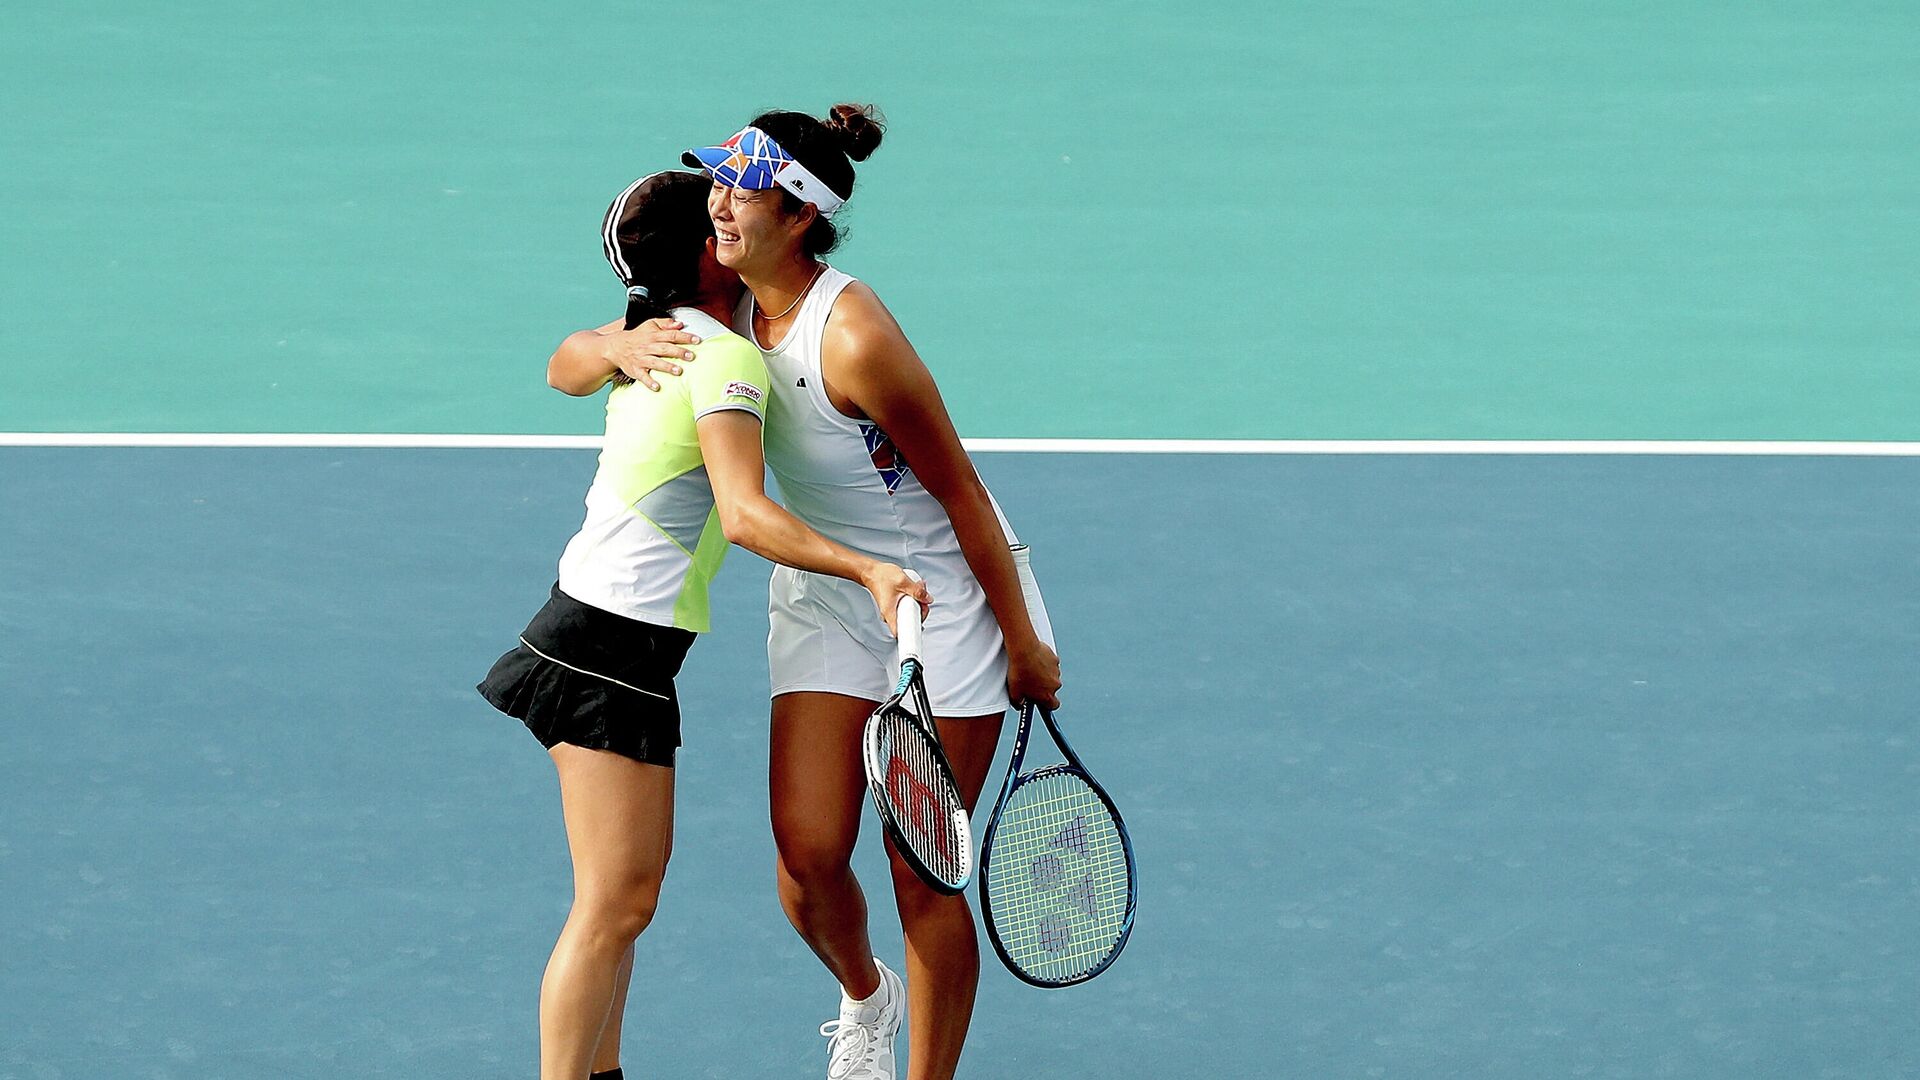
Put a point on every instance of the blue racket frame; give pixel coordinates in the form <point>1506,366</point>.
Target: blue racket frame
<point>1016,780</point>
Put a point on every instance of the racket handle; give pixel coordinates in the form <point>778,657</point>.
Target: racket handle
<point>1030,592</point>
<point>906,619</point>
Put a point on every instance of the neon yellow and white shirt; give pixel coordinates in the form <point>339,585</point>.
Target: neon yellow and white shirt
<point>651,542</point>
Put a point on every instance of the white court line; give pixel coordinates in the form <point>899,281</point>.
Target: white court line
<point>1700,447</point>
<point>1442,446</point>
<point>351,440</point>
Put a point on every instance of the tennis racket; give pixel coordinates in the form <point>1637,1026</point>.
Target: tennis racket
<point>909,777</point>
<point>1056,868</point>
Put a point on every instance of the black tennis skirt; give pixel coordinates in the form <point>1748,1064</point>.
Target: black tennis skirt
<point>595,679</point>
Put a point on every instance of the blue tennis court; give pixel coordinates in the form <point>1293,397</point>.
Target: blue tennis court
<point>1488,766</point>
<point>1509,766</point>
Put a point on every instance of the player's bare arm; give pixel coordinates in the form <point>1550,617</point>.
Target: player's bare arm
<point>587,360</point>
<point>730,445</point>
<point>867,359</point>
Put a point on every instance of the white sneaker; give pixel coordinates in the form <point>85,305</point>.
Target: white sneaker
<point>860,1043</point>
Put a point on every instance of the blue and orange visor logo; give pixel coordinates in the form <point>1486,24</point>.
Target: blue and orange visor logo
<point>751,160</point>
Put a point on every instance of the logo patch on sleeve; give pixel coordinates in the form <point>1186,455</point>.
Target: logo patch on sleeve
<point>745,390</point>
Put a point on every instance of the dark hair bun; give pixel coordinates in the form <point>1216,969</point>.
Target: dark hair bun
<point>857,128</point>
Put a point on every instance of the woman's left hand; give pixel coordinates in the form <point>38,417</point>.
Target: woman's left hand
<point>654,345</point>
<point>1033,674</point>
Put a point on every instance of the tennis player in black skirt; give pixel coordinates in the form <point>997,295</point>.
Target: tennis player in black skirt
<point>680,477</point>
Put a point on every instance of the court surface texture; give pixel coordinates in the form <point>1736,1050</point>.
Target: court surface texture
<point>1476,766</point>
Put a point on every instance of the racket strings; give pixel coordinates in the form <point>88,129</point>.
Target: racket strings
<point>924,802</point>
<point>1056,878</point>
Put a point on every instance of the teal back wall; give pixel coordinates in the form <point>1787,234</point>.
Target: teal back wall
<point>1239,219</point>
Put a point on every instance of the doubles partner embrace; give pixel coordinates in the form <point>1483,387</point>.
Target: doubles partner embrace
<point>799,365</point>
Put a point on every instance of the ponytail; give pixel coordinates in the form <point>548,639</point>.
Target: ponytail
<point>640,307</point>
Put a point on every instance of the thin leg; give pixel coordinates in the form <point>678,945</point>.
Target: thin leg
<point>943,952</point>
<point>817,788</point>
<point>619,815</point>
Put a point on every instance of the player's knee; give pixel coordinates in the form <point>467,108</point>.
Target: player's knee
<point>812,864</point>
<point>617,919</point>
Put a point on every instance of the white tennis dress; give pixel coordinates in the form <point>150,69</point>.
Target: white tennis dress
<point>845,478</point>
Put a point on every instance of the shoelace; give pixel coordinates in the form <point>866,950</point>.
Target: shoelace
<point>849,1045</point>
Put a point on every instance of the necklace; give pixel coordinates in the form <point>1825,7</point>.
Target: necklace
<point>796,300</point>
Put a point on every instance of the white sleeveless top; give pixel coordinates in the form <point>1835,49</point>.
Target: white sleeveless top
<point>841,475</point>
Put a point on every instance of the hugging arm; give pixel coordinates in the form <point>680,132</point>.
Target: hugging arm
<point>588,359</point>
<point>736,466</point>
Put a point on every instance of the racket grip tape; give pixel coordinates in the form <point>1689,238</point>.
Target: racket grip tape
<point>1030,592</point>
<point>906,620</point>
